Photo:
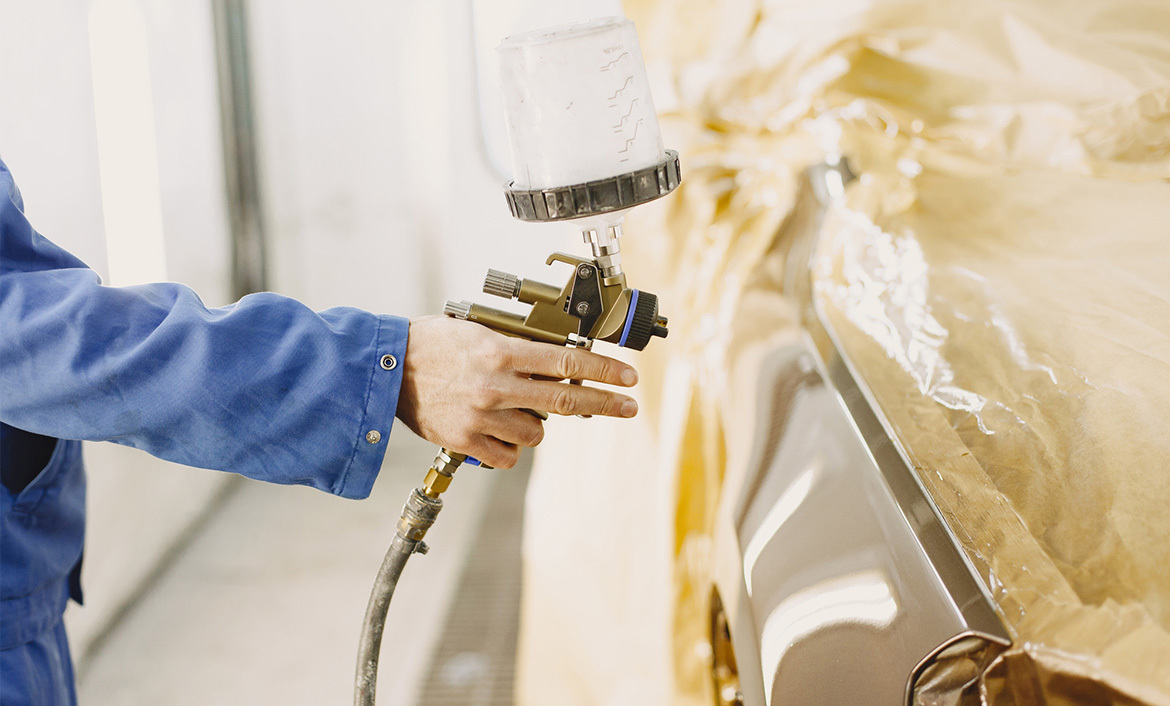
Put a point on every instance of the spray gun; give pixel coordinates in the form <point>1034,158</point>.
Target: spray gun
<point>586,147</point>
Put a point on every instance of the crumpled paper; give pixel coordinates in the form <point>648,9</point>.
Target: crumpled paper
<point>1015,330</point>
<point>1000,273</point>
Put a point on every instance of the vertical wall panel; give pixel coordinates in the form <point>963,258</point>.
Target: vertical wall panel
<point>47,135</point>
<point>342,231</point>
<point>138,506</point>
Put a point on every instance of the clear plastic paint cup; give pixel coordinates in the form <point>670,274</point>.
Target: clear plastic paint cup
<point>578,104</point>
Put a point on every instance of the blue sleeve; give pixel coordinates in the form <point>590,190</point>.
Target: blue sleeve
<point>265,387</point>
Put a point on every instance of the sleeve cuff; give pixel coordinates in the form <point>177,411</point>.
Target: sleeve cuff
<point>386,363</point>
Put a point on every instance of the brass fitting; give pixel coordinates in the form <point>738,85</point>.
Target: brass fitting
<point>441,472</point>
<point>436,483</point>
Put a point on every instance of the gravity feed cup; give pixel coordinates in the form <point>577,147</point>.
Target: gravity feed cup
<point>578,104</point>
<point>584,135</point>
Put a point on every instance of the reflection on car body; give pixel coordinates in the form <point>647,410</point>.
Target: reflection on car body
<point>850,582</point>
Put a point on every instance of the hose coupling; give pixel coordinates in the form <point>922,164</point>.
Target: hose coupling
<point>418,515</point>
<point>441,473</point>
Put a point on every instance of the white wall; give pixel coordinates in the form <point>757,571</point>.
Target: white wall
<point>47,133</point>
<point>377,191</point>
<point>138,506</point>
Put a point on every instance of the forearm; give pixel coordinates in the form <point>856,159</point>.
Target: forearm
<point>265,387</point>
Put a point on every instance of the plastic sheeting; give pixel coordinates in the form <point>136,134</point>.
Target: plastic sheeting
<point>1001,274</point>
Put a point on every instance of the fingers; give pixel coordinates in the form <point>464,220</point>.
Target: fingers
<point>494,452</point>
<point>514,427</point>
<point>465,386</point>
<point>497,437</point>
<point>545,363</point>
<point>543,360</point>
<point>561,398</point>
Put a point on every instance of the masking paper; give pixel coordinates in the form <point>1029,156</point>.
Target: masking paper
<point>1000,275</point>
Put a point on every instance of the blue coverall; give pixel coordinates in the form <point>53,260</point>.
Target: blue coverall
<point>265,388</point>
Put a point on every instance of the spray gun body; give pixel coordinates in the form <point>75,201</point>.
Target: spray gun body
<point>588,307</point>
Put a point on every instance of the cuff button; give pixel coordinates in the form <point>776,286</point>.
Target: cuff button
<point>389,362</point>
<point>373,436</point>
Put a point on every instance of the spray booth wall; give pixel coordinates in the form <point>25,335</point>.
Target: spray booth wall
<point>376,188</point>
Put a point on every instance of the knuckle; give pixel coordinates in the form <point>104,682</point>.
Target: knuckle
<point>466,439</point>
<point>490,354</point>
<point>506,353</point>
<point>563,401</point>
<point>484,450</point>
<point>479,351</point>
<point>488,395</point>
<point>502,353</point>
<point>565,364</point>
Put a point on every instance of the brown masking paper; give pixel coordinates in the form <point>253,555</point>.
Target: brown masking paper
<point>1000,273</point>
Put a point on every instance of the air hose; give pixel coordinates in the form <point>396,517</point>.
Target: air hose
<point>640,322</point>
<point>419,513</point>
<point>417,517</point>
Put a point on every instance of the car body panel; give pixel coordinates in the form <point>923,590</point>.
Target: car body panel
<point>848,579</point>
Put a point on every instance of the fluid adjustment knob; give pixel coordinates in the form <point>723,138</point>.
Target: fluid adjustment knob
<point>642,321</point>
<point>501,284</point>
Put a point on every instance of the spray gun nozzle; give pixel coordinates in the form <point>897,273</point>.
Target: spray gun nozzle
<point>659,328</point>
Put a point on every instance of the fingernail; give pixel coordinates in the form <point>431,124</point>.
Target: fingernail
<point>629,377</point>
<point>629,408</point>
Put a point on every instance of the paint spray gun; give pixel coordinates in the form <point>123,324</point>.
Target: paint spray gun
<point>586,147</point>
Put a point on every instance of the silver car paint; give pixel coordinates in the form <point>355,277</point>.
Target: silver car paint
<point>849,580</point>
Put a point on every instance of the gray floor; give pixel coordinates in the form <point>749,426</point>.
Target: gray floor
<point>265,605</point>
<point>475,661</point>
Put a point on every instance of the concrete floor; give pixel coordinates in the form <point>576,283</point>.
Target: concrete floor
<point>265,605</point>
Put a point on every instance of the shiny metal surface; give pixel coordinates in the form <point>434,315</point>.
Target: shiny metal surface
<point>597,197</point>
<point>501,284</point>
<point>850,580</point>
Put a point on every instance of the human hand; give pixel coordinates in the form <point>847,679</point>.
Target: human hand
<point>465,387</point>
